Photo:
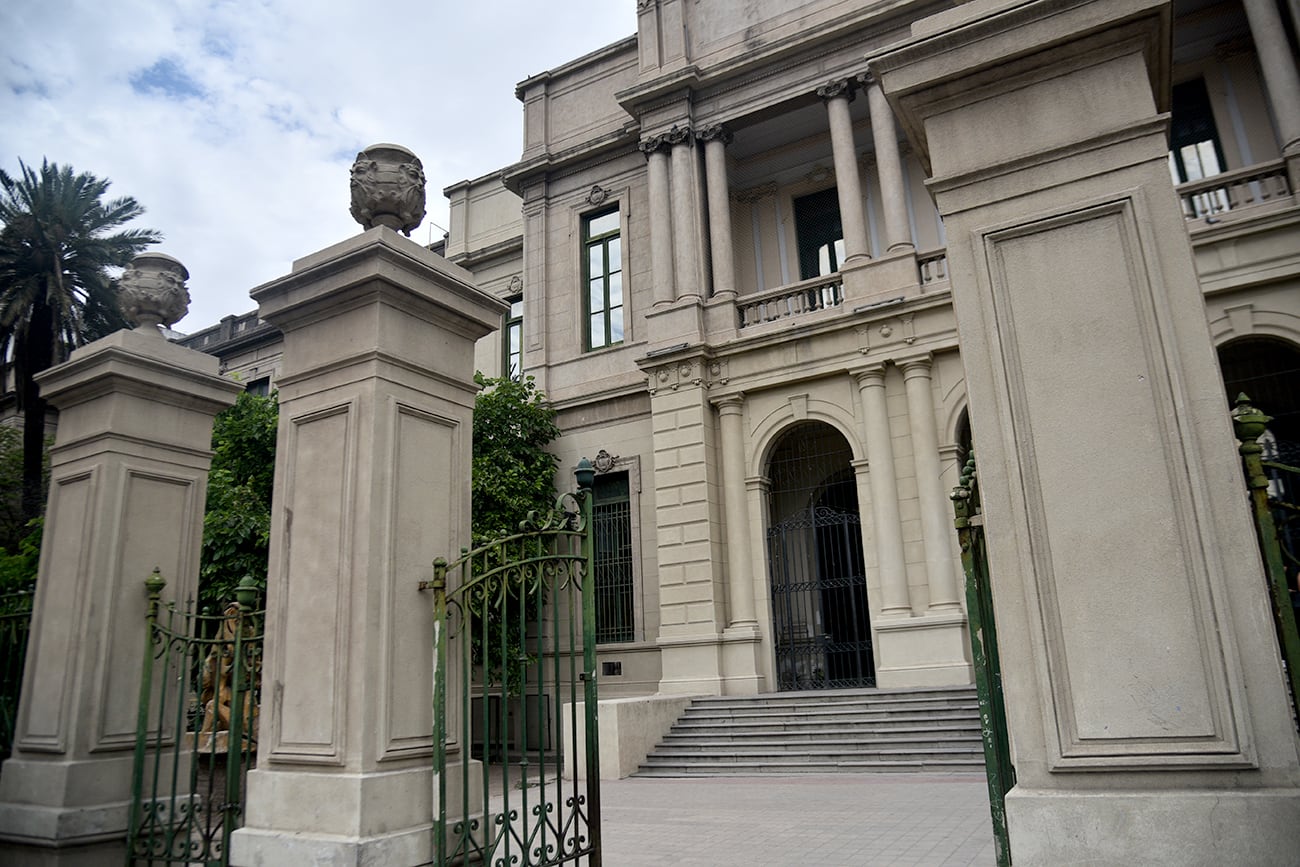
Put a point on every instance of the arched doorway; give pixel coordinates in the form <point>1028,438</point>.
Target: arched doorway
<point>1267,369</point>
<point>820,621</point>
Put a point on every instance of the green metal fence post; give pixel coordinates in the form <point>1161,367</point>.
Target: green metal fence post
<point>1249,424</point>
<point>153,586</point>
<point>585,475</point>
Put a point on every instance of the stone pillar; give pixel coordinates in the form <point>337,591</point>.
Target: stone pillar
<point>1148,716</point>
<point>848,184</point>
<point>655,149</point>
<point>372,483</point>
<point>686,247</point>
<point>128,481</point>
<point>723,255</point>
<point>936,508</point>
<point>890,557</point>
<point>1281,79</point>
<point>889,168</point>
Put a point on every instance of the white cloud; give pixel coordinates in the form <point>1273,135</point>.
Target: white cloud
<point>245,115</point>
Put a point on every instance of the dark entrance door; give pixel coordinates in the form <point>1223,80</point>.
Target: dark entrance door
<point>821,625</point>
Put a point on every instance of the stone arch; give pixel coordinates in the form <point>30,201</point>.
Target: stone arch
<point>768,430</point>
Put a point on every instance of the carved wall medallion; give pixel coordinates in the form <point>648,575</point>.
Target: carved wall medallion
<point>604,461</point>
<point>597,195</point>
<point>388,188</point>
<point>516,285</point>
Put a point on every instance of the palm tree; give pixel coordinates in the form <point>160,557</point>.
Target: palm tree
<point>56,292</point>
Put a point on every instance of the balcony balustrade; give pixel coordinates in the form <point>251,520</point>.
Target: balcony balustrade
<point>1231,191</point>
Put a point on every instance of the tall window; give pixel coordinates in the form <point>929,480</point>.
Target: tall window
<point>820,234</point>
<point>603,269</point>
<point>612,540</point>
<point>513,338</point>
<point>1195,151</point>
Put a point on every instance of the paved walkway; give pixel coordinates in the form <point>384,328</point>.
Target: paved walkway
<point>838,820</point>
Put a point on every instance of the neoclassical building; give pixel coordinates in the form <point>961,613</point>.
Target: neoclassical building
<point>726,271</point>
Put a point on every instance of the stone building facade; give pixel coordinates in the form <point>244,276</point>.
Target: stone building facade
<point>726,271</point>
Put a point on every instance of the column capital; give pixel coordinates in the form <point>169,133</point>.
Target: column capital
<point>715,132</point>
<point>918,365</point>
<point>730,404</point>
<point>679,135</point>
<point>762,484</point>
<point>840,87</point>
<point>870,376</point>
<point>860,466</point>
<point>653,144</point>
<point>866,79</point>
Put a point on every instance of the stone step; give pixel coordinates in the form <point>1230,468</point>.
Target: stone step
<point>833,731</point>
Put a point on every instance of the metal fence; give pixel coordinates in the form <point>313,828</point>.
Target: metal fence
<point>15,624</point>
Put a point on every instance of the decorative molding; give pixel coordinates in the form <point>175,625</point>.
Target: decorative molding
<point>653,144</point>
<point>700,373</point>
<point>597,195</point>
<point>643,5</point>
<point>715,131</point>
<point>837,88</point>
<point>679,135</point>
<point>819,174</point>
<point>754,194</point>
<point>515,286</point>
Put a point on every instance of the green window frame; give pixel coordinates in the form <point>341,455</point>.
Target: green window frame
<point>512,339</point>
<point>602,271</point>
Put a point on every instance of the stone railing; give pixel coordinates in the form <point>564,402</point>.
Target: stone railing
<point>932,267</point>
<point>1233,190</point>
<point>785,302</point>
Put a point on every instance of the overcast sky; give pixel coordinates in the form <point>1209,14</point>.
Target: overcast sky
<point>234,122</point>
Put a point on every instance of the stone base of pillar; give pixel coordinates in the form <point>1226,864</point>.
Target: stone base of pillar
<point>741,647</point>
<point>692,665</point>
<point>307,818</point>
<point>682,323</point>
<point>88,855</point>
<point>720,320</point>
<point>63,812</point>
<point>1185,827</point>
<point>1292,161</point>
<point>930,650</point>
<point>867,281</point>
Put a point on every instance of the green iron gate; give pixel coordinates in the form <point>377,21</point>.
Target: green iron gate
<point>1275,505</point>
<point>984,654</point>
<point>515,695</point>
<point>15,624</point>
<point>197,729</point>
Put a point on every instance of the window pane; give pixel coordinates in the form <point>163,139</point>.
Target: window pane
<point>602,224</point>
<point>616,325</point>
<point>615,247</point>
<point>596,296</point>
<point>595,261</point>
<point>517,308</point>
<point>597,330</point>
<point>616,289</point>
<point>514,337</point>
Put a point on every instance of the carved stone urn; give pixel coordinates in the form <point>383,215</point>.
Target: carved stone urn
<point>151,292</point>
<point>388,188</point>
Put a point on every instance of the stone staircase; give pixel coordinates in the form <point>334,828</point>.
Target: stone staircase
<point>934,730</point>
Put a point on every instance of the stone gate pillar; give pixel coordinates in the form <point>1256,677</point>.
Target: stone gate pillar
<point>1148,718</point>
<point>371,484</point>
<point>128,481</point>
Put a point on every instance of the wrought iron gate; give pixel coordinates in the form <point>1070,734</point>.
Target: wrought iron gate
<point>984,654</point>
<point>15,625</point>
<point>515,637</point>
<point>819,601</point>
<point>197,729</point>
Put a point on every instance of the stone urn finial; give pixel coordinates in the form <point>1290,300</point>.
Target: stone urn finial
<point>151,292</point>
<point>388,188</point>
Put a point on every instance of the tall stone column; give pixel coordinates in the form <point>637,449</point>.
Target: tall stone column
<point>686,248</point>
<point>740,590</point>
<point>936,508</point>
<point>372,483</point>
<point>128,481</point>
<point>848,183</point>
<point>655,149</point>
<point>1281,79</point>
<point>1148,716</point>
<point>889,168</point>
<point>885,519</point>
<point>723,255</point>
